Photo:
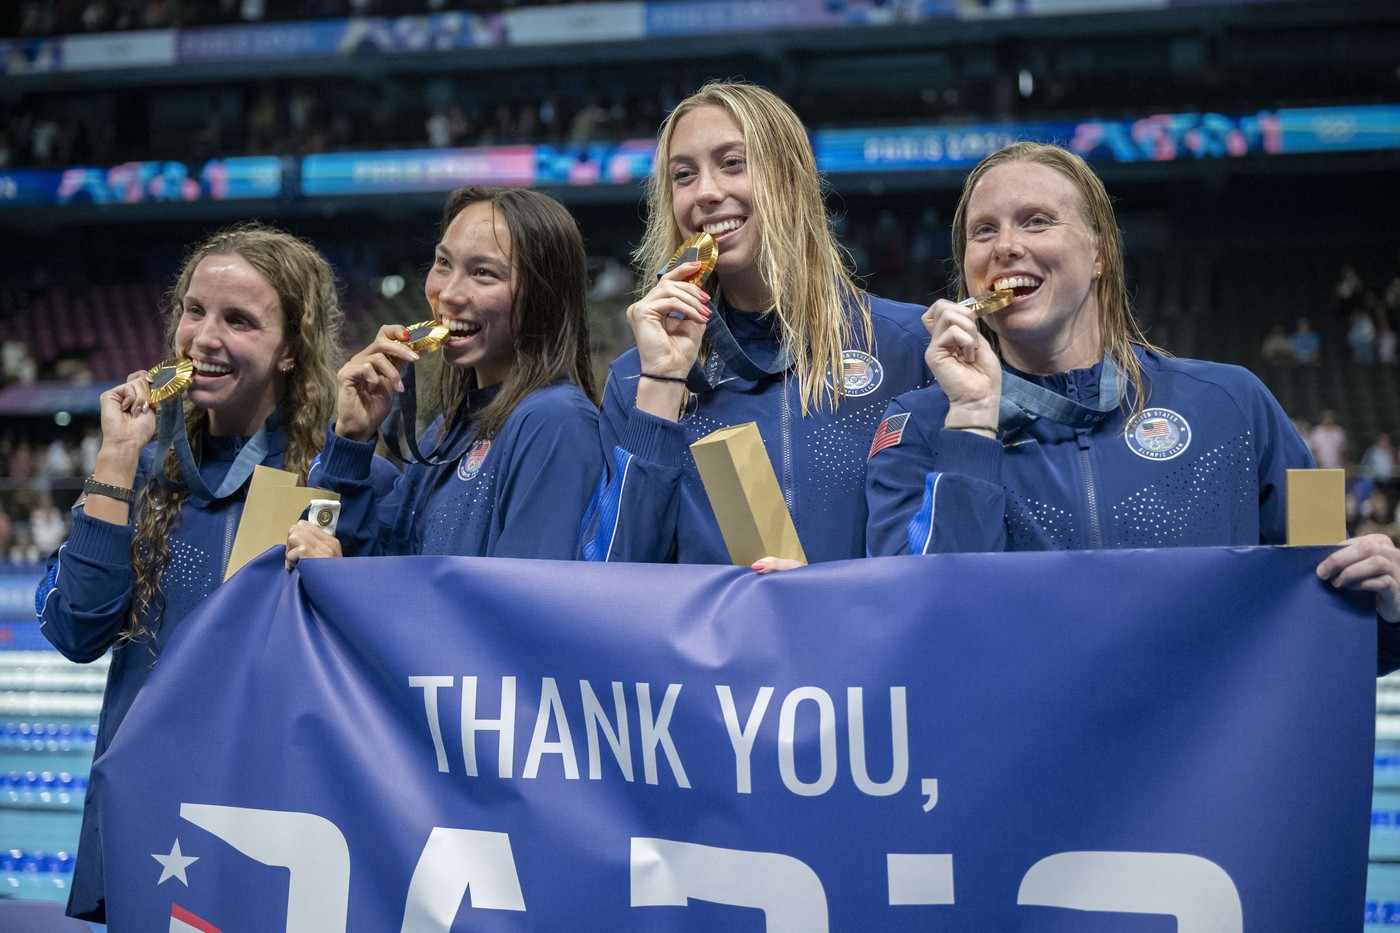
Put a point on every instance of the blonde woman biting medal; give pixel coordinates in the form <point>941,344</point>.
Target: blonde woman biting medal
<point>1054,424</point>
<point>778,335</point>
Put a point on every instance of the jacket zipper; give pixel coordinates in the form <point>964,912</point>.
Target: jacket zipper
<point>230,529</point>
<point>1091,496</point>
<point>1090,493</point>
<point>787,451</point>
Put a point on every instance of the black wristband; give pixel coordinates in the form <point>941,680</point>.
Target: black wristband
<point>680,379</point>
<point>120,493</point>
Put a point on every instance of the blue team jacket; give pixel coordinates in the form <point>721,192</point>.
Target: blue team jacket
<point>1205,466</point>
<point>85,597</point>
<point>522,494</point>
<point>654,508</point>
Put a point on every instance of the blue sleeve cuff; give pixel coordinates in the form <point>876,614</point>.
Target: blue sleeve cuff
<point>98,541</point>
<point>971,454</point>
<point>655,439</point>
<point>344,459</point>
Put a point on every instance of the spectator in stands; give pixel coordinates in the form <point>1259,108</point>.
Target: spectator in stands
<point>1346,294</point>
<point>1378,517</point>
<point>46,525</point>
<point>23,550</point>
<point>1328,441</point>
<point>1385,339</point>
<point>1307,343</point>
<point>1380,461</point>
<point>1390,299</point>
<point>1062,383</point>
<point>23,462</point>
<point>19,365</point>
<point>515,454</point>
<point>1361,336</point>
<point>438,129</point>
<point>87,450</point>
<point>60,460</point>
<point>734,161</point>
<point>1278,349</point>
<point>256,310</point>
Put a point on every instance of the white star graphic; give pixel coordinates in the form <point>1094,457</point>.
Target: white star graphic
<point>174,864</point>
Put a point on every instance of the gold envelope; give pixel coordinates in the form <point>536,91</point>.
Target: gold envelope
<point>745,497</point>
<point>1317,506</point>
<point>274,503</point>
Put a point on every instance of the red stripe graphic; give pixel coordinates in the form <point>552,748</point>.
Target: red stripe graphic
<point>195,923</point>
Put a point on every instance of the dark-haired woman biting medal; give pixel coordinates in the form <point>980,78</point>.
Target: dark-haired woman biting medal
<point>509,464</point>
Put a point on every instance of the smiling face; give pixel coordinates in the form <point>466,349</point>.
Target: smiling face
<point>1026,230</point>
<point>708,166</point>
<point>472,284</point>
<point>231,326</point>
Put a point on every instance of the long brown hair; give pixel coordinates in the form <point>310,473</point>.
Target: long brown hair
<point>1119,328</point>
<point>548,305</point>
<point>799,257</point>
<point>312,322</point>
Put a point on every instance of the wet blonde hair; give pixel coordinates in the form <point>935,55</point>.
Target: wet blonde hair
<point>1118,327</point>
<point>799,258</point>
<point>311,327</point>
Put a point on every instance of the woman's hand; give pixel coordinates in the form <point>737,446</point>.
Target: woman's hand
<point>668,324</point>
<point>128,424</point>
<point>1370,563</point>
<point>369,382</point>
<point>962,361</point>
<point>774,564</point>
<point>306,540</point>
<point>128,421</point>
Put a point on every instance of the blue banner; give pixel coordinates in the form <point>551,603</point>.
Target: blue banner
<point>1156,138</point>
<point>367,35</point>
<point>1133,741</point>
<point>415,170</point>
<point>1163,137</point>
<point>612,163</point>
<point>237,178</point>
<point>1339,129</point>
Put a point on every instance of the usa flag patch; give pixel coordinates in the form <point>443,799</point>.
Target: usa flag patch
<point>889,433</point>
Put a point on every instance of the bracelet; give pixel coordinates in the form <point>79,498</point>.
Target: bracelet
<point>680,379</point>
<point>970,427</point>
<point>120,493</point>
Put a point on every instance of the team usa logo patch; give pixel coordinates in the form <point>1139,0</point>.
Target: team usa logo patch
<point>890,432</point>
<point>470,465</point>
<point>861,373</point>
<point>1159,434</point>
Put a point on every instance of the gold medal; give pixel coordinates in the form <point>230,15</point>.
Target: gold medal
<point>426,336</point>
<point>991,304</point>
<point>170,378</point>
<point>699,248</point>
